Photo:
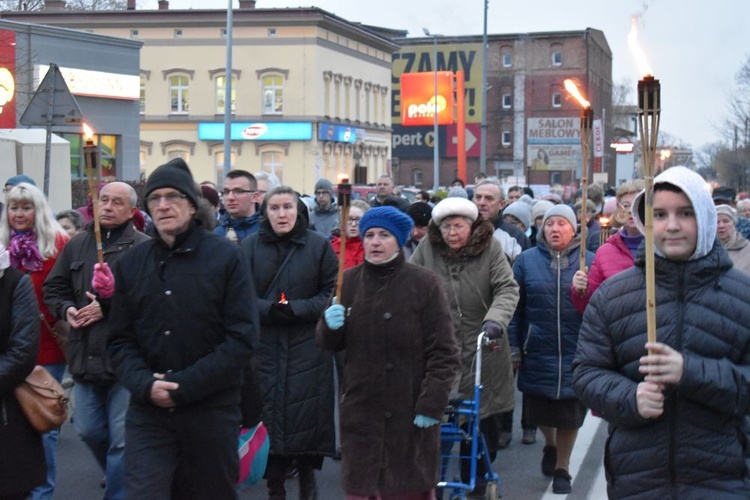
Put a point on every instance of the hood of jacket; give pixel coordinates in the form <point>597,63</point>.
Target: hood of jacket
<point>696,190</point>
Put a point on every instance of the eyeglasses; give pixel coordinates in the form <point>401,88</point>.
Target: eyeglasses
<point>236,191</point>
<point>447,228</point>
<point>353,220</point>
<point>320,193</point>
<point>170,198</point>
<point>625,205</point>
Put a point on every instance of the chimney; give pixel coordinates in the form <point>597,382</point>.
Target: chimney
<point>163,5</point>
<point>54,5</point>
<point>131,5</point>
<point>247,4</point>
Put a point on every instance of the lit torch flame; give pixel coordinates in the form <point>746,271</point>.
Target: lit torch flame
<point>88,132</point>
<point>635,48</point>
<point>572,89</point>
<point>342,178</point>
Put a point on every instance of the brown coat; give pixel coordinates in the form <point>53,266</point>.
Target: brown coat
<point>401,358</point>
<point>480,287</point>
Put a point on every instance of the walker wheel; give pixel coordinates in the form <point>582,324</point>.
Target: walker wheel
<point>491,491</point>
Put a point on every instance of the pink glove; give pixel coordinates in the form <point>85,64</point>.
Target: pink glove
<point>103,282</point>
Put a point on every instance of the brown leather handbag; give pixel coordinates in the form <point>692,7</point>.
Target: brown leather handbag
<point>60,332</point>
<point>42,400</point>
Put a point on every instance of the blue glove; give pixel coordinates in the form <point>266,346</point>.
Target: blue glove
<point>334,316</point>
<point>424,421</point>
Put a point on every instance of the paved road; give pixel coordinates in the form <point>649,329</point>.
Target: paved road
<point>79,475</point>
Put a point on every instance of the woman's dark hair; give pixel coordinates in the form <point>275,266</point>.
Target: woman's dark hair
<point>74,217</point>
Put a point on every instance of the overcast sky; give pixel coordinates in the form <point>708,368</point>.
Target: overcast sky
<point>694,47</point>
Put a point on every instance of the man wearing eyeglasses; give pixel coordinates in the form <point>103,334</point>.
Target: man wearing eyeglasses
<point>240,194</point>
<point>183,322</point>
<point>324,218</point>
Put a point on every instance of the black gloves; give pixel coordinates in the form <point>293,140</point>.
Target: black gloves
<point>282,314</point>
<point>494,331</point>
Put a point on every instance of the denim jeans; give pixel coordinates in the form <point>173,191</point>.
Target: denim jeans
<point>49,440</point>
<point>100,421</point>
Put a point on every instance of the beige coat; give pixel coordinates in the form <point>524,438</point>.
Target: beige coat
<point>480,287</point>
<point>739,251</point>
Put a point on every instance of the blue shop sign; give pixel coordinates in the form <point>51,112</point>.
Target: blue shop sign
<point>274,131</point>
<point>338,133</point>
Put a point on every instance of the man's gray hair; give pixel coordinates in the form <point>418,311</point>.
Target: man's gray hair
<point>273,181</point>
<point>493,182</point>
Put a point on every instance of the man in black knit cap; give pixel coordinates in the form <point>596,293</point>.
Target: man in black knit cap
<point>183,323</point>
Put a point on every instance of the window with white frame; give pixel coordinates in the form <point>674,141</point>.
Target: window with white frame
<point>506,138</point>
<point>507,101</point>
<point>179,93</point>
<point>557,57</point>
<point>272,161</point>
<point>273,95</point>
<point>143,94</point>
<point>219,162</point>
<point>179,153</point>
<point>507,58</point>
<point>221,90</point>
<point>417,177</point>
<point>556,100</point>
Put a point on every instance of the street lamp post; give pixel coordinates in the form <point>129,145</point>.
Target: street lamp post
<point>436,138</point>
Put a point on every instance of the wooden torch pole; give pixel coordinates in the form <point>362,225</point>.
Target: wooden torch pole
<point>345,196</point>
<point>91,158</point>
<point>649,110</point>
<point>587,119</point>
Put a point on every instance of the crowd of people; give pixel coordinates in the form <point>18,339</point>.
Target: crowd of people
<point>182,300</point>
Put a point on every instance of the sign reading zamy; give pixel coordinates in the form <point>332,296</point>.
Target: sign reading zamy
<point>553,143</point>
<point>95,83</point>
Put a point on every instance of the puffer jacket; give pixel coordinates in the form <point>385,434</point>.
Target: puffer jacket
<point>693,450</point>
<point>611,258</point>
<point>545,326</point>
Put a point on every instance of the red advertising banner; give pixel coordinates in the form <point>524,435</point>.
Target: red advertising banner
<point>418,98</point>
<point>7,79</point>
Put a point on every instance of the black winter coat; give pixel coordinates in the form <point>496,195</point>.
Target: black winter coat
<point>694,449</point>
<point>66,286</point>
<point>188,312</point>
<point>22,464</point>
<point>296,376</point>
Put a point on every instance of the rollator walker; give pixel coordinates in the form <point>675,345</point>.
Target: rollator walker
<point>462,425</point>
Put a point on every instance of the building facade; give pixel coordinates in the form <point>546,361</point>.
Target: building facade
<point>310,91</point>
<point>101,73</point>
<point>532,124</point>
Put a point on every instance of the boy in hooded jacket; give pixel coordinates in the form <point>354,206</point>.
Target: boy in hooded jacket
<point>675,407</point>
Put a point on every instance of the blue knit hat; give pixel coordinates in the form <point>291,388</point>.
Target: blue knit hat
<point>18,179</point>
<point>391,219</point>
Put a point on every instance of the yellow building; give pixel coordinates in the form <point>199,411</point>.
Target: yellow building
<point>311,92</point>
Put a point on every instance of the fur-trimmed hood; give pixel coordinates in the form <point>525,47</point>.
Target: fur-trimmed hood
<point>481,236</point>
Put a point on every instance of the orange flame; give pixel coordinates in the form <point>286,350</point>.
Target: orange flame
<point>572,89</point>
<point>604,221</point>
<point>342,178</point>
<point>88,132</point>
<point>635,48</point>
